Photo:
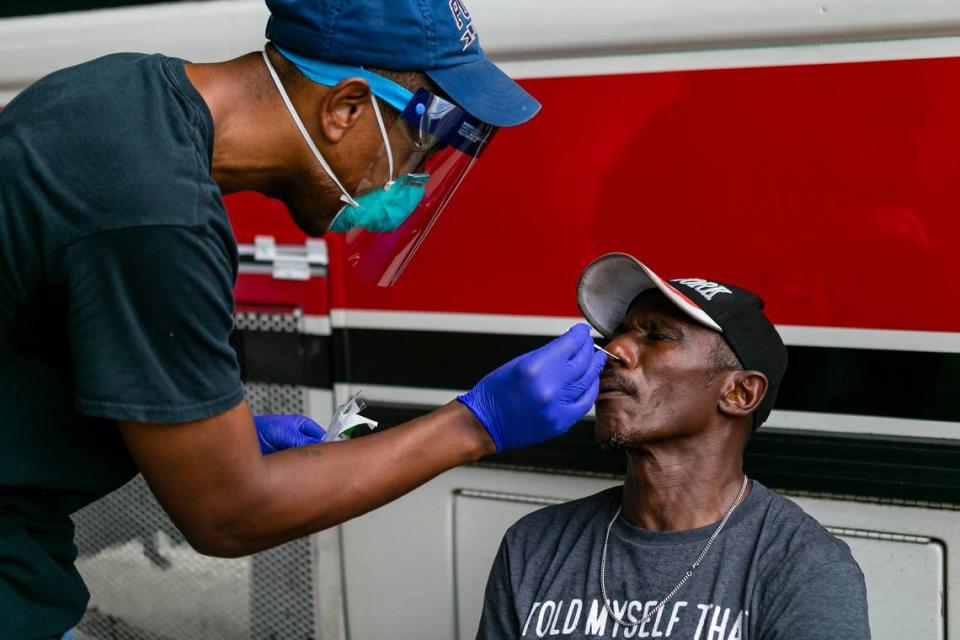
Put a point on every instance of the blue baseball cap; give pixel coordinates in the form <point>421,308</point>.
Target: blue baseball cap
<point>437,37</point>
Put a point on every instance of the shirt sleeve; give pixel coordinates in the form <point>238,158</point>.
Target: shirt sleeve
<point>498,621</point>
<point>149,317</point>
<point>826,603</point>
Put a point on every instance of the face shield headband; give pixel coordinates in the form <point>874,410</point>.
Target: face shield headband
<point>426,153</point>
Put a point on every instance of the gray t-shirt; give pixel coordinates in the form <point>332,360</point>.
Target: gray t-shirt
<point>773,574</point>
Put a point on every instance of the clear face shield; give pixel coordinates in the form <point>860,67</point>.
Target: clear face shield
<point>428,150</point>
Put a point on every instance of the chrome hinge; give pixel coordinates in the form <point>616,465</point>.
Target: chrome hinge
<point>288,262</point>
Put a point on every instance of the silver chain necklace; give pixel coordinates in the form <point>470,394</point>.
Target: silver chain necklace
<point>673,592</point>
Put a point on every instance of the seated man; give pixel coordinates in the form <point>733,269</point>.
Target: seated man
<point>688,547</point>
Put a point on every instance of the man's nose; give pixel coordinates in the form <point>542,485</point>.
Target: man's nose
<point>626,357</point>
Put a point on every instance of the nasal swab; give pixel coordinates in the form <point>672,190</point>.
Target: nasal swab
<point>599,348</point>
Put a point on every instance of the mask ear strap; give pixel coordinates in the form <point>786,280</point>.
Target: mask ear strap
<point>303,131</point>
<point>386,141</point>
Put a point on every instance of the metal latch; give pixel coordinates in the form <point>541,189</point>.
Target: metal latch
<point>289,262</point>
<point>265,248</point>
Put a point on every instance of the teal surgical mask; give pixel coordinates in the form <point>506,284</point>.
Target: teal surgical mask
<point>382,209</point>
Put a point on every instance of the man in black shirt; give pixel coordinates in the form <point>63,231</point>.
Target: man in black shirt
<point>117,264</point>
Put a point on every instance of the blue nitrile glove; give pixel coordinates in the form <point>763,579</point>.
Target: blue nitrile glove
<point>277,433</point>
<point>541,394</point>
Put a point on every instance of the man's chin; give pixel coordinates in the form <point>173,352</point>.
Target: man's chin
<point>311,221</point>
<point>310,226</point>
<point>613,443</point>
<point>609,437</point>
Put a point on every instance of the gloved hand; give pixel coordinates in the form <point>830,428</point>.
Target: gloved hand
<point>277,433</point>
<point>541,394</point>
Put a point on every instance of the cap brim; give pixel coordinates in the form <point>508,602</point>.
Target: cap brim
<point>484,91</point>
<point>611,282</point>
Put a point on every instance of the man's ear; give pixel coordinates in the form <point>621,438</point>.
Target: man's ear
<point>742,392</point>
<point>342,107</point>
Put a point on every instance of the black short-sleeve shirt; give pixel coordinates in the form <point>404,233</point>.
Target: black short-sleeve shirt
<point>117,264</point>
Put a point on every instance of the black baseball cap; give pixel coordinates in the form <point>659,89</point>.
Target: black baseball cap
<point>610,284</point>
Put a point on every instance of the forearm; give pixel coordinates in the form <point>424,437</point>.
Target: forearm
<point>229,499</point>
<point>300,491</point>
